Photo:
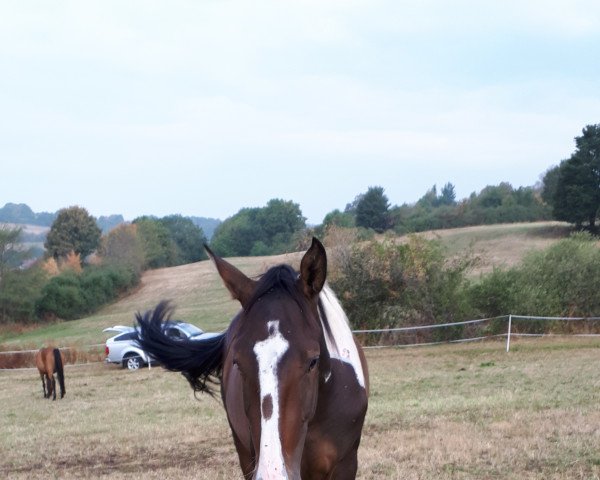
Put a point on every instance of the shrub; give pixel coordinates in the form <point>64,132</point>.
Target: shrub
<point>562,280</point>
<point>18,292</point>
<point>62,297</point>
<point>388,285</point>
<point>71,296</point>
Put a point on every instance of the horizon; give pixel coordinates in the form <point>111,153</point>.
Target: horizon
<point>458,200</point>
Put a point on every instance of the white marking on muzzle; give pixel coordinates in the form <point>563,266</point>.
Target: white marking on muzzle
<point>269,352</point>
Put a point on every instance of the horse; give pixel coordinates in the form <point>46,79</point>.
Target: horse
<point>293,381</point>
<point>49,361</point>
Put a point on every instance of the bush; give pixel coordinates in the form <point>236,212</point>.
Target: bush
<point>18,291</point>
<point>62,297</point>
<point>384,285</point>
<point>562,280</point>
<point>71,296</point>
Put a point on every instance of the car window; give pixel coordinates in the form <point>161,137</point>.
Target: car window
<point>173,332</point>
<point>126,336</point>
<point>190,329</point>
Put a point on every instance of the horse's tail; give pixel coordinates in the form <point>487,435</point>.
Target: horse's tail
<point>199,361</point>
<point>58,366</point>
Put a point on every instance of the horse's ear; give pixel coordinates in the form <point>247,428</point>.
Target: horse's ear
<point>313,269</point>
<point>239,285</point>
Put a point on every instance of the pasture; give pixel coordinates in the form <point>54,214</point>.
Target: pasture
<point>447,412</point>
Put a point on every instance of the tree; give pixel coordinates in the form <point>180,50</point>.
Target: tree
<point>549,182</point>
<point>429,200</point>
<point>9,253</point>
<point>188,238</point>
<point>447,195</point>
<point>73,230</point>
<point>339,219</point>
<point>260,231</point>
<point>123,246</point>
<point>372,210</point>
<point>278,222</point>
<point>158,246</point>
<point>237,234</point>
<point>18,288</point>
<point>576,195</point>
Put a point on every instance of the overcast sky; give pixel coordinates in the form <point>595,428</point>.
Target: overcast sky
<point>204,107</point>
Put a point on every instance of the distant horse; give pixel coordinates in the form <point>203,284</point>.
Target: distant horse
<point>293,381</point>
<point>49,361</point>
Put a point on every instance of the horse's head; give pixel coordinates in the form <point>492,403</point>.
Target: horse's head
<point>278,356</point>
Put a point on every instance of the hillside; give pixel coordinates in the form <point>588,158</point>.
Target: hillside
<point>195,289</point>
<point>502,245</point>
<point>200,297</point>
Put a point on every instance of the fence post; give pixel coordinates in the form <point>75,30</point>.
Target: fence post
<point>508,334</point>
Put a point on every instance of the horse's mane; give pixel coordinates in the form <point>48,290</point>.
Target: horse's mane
<point>281,278</point>
<point>338,335</point>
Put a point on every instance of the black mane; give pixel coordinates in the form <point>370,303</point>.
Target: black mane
<point>281,278</point>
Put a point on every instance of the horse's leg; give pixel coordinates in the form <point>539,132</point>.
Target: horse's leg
<point>346,468</point>
<point>53,387</point>
<point>43,384</point>
<point>247,461</point>
<point>48,385</point>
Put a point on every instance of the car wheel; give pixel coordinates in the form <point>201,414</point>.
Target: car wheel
<point>132,362</point>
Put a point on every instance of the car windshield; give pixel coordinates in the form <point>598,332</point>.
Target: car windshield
<point>190,329</point>
<point>127,336</point>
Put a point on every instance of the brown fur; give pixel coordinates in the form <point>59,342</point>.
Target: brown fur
<point>49,361</point>
<point>322,409</point>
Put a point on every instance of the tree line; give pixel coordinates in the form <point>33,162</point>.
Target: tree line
<point>81,259</point>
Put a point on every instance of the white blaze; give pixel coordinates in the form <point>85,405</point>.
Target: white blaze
<point>268,354</point>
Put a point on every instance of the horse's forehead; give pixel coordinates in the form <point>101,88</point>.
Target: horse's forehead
<point>290,317</point>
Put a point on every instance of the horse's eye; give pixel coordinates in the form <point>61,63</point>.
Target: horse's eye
<point>313,363</point>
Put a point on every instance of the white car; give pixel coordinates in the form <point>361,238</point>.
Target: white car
<point>123,349</point>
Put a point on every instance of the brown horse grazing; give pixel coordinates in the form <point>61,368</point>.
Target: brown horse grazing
<point>49,361</point>
<point>293,381</point>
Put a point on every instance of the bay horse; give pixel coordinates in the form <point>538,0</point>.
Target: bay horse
<point>294,382</point>
<point>50,361</point>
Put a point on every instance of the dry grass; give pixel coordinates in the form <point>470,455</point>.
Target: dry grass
<point>502,245</point>
<point>451,412</point>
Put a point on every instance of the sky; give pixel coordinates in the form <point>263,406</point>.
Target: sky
<point>203,107</point>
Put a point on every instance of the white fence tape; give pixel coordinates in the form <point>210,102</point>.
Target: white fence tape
<point>508,334</point>
<point>66,365</point>
<point>61,348</point>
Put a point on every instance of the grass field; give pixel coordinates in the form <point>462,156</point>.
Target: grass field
<point>200,297</point>
<point>449,412</point>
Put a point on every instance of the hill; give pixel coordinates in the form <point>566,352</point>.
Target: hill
<point>502,245</point>
<point>200,297</point>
